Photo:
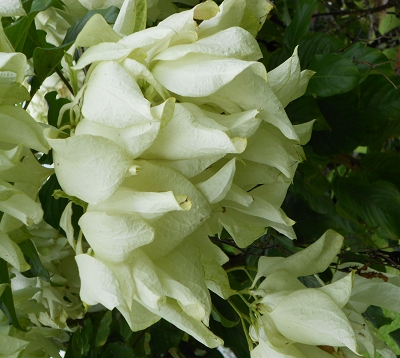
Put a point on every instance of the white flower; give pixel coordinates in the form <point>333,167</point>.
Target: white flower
<point>294,321</point>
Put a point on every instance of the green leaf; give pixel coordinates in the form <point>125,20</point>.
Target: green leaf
<point>377,204</point>
<point>351,125</point>
<point>300,24</point>
<point>164,335</point>
<point>367,59</point>
<point>305,109</point>
<point>53,208</point>
<point>311,224</point>
<point>334,74</point>
<point>45,61</point>
<point>379,97</point>
<point>79,345</point>
<point>381,165</point>
<point>375,315</point>
<point>32,258</point>
<point>117,349</point>
<point>6,298</point>
<point>17,33</point>
<point>41,5</point>
<point>110,15</point>
<point>234,338</point>
<point>103,331</point>
<point>396,336</point>
<point>23,34</point>
<point>317,44</point>
<point>55,105</point>
<point>223,312</point>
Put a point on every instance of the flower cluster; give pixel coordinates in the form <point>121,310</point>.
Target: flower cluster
<point>291,320</point>
<point>42,304</point>
<point>176,134</point>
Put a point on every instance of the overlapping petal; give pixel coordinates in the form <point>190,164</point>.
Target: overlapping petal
<point>89,167</point>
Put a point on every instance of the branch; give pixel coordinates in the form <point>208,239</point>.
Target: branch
<point>59,73</point>
<point>357,12</point>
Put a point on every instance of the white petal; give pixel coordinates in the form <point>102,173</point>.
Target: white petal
<point>10,158</point>
<point>10,252</point>
<point>252,174</point>
<point>314,259</point>
<point>242,124</point>
<point>151,40</point>
<point>173,313</point>
<point>244,229</point>
<point>18,127</point>
<point>287,81</point>
<point>98,283</point>
<point>311,317</point>
<point>11,8</point>
<point>113,238</point>
<point>12,66</point>
<point>184,272</point>
<point>249,90</point>
<point>212,258</point>
<point>105,51</point>
<point>304,131</point>
<point>189,167</point>
<point>239,196</point>
<point>268,147</point>
<point>216,188</point>
<point>113,98</point>
<point>19,205</point>
<point>230,14</point>
<point>187,136</point>
<point>11,347</point>
<point>148,205</point>
<point>139,72</point>
<point>139,280</point>
<point>264,350</point>
<point>173,226</point>
<point>233,42</point>
<point>132,17</point>
<point>28,171</point>
<point>182,21</point>
<point>200,75</point>
<point>89,167</point>
<point>66,225</point>
<point>134,139</point>
<point>340,291</point>
<point>96,31</point>
<point>376,292</point>
<point>138,317</point>
<point>261,208</point>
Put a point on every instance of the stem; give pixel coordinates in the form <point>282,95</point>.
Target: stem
<point>59,73</point>
<point>357,12</point>
<point>26,104</point>
<point>79,249</point>
<point>67,126</point>
<point>243,268</point>
<point>246,333</point>
<point>243,299</point>
<point>138,338</point>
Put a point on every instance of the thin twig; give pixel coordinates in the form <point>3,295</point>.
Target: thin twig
<point>376,69</point>
<point>67,84</point>
<point>357,12</point>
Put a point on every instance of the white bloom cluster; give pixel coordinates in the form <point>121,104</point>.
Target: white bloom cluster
<point>291,320</point>
<point>176,134</point>
<point>40,306</point>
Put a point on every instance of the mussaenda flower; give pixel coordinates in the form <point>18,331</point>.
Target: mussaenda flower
<point>291,320</point>
<point>165,153</point>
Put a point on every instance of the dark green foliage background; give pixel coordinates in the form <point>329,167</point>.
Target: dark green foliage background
<point>354,97</point>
